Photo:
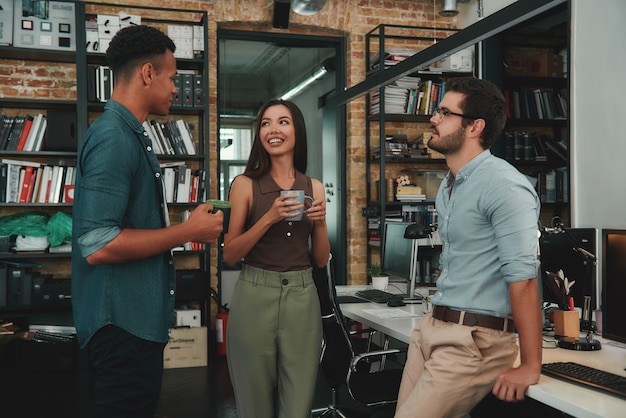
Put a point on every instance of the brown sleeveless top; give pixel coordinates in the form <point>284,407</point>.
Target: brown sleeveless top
<point>285,246</point>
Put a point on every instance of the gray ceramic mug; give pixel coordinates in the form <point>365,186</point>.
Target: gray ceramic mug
<point>300,198</point>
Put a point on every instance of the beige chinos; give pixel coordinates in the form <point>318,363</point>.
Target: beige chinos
<point>274,341</point>
<point>451,367</point>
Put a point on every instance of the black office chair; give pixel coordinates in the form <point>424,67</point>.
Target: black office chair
<point>342,364</point>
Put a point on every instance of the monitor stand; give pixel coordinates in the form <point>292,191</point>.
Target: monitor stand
<point>410,291</point>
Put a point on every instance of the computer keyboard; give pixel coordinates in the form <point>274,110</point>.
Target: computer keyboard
<point>588,376</point>
<point>376,295</point>
<point>52,338</point>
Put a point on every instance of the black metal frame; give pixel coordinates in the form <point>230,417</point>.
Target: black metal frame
<point>499,21</point>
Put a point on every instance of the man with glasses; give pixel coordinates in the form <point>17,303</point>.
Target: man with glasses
<point>488,211</point>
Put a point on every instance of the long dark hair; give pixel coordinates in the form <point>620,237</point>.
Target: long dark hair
<point>259,162</point>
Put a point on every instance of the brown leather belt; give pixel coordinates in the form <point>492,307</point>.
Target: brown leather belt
<point>443,313</point>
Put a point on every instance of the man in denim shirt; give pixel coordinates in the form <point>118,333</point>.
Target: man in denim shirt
<point>488,211</point>
<point>123,277</point>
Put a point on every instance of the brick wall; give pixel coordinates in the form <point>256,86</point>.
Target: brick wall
<point>44,81</point>
<point>349,18</point>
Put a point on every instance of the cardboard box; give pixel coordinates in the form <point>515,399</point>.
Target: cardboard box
<point>516,60</point>
<point>187,348</point>
<point>545,65</point>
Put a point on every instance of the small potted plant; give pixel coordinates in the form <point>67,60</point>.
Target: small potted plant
<point>379,281</point>
<point>374,270</point>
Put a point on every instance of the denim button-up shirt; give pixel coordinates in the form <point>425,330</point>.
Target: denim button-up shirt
<point>488,229</point>
<point>118,186</point>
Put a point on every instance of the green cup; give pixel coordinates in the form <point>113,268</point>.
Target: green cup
<point>224,206</point>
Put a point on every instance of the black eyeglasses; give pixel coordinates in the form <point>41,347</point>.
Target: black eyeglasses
<point>442,113</point>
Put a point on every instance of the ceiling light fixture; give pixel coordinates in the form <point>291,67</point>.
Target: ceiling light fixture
<point>327,66</point>
<point>307,7</point>
<point>448,7</point>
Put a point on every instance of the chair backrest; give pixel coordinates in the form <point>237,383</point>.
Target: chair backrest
<point>337,352</point>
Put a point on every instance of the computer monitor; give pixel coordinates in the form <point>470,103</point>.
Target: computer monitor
<point>396,254</point>
<point>558,253</point>
<point>614,284</point>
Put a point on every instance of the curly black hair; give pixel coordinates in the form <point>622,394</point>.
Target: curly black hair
<point>134,44</point>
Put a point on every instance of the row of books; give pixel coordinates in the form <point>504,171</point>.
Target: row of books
<point>99,83</point>
<point>409,96</point>
<point>191,245</point>
<point>182,184</point>
<point>552,186</point>
<point>173,137</point>
<point>33,182</point>
<point>22,133</point>
<point>532,146</point>
<point>536,104</point>
<point>189,87</point>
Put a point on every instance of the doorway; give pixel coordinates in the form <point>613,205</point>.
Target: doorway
<point>254,67</point>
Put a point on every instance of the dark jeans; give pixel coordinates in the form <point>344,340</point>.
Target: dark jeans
<point>127,374</point>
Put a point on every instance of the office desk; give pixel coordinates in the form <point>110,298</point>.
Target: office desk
<point>398,328</point>
<point>572,399</point>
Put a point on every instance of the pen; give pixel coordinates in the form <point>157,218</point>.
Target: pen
<point>571,303</point>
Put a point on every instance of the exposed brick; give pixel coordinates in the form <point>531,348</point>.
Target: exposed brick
<point>349,18</point>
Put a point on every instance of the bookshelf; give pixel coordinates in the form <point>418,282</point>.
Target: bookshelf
<point>403,174</point>
<point>79,85</point>
<point>535,82</point>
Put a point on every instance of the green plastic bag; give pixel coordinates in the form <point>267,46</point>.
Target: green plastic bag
<point>60,229</point>
<point>32,224</point>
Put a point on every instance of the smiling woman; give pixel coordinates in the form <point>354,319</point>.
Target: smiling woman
<point>254,67</point>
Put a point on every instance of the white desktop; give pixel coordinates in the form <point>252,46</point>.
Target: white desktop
<point>575,400</point>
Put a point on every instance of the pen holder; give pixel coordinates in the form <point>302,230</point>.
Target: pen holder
<point>566,324</point>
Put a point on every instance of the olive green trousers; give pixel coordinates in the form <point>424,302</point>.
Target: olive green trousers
<point>273,342</point>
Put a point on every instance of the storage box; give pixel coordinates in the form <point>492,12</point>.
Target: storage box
<point>188,317</point>
<point>187,348</point>
<point>6,22</point>
<point>566,323</point>
<point>459,61</point>
<point>545,65</point>
<point>516,60</point>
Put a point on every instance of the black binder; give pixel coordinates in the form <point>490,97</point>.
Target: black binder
<point>198,90</point>
<point>61,131</point>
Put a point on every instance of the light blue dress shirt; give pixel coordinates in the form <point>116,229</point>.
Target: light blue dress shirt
<point>488,223</point>
<point>119,185</point>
